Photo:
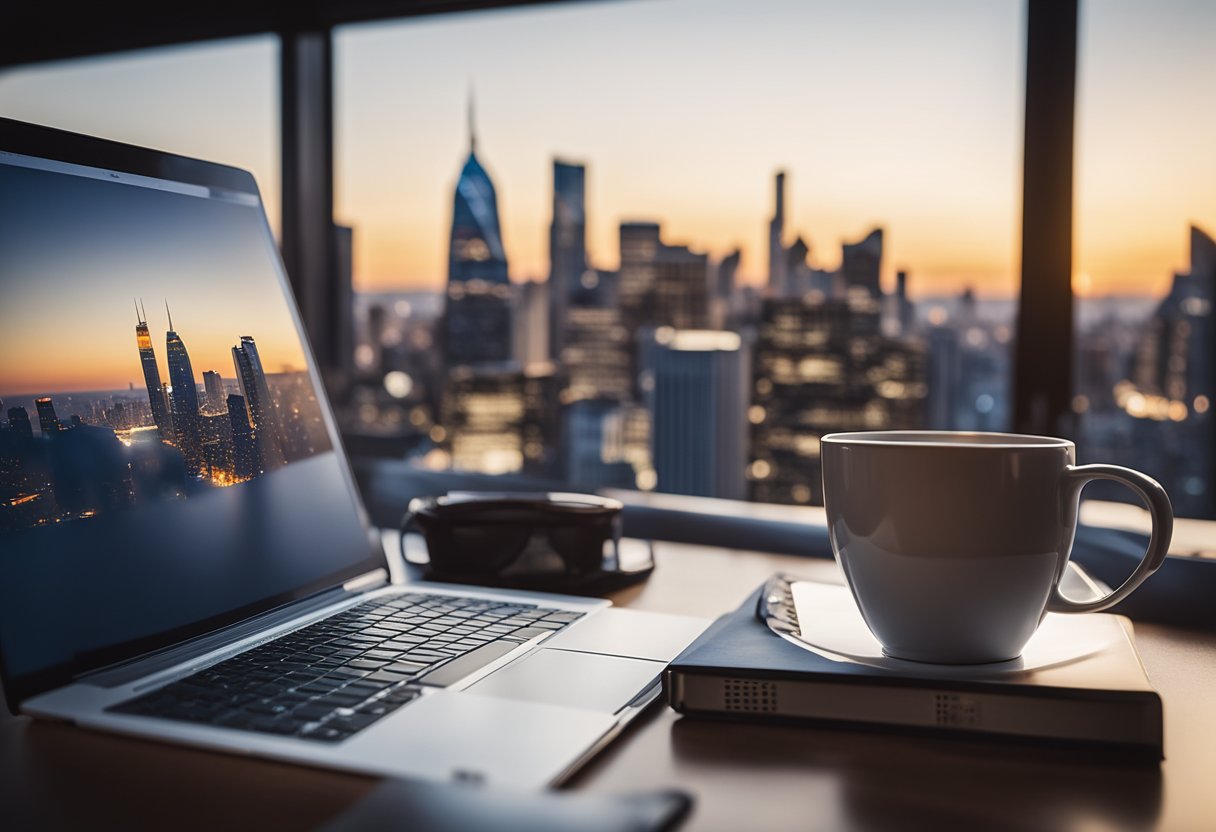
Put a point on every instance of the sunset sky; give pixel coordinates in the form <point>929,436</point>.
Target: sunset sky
<point>905,115</point>
<point>74,252</point>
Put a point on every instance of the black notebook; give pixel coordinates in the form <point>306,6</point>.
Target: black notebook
<point>739,668</point>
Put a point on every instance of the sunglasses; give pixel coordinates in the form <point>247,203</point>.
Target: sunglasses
<point>555,541</point>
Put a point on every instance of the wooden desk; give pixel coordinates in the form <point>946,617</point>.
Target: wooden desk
<point>744,777</point>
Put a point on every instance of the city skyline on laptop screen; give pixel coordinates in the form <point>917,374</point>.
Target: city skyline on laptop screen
<point>162,448</point>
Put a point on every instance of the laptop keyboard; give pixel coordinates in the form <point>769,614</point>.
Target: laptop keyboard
<point>328,680</point>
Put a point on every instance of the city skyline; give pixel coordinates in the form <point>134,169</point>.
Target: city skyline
<point>97,454</point>
<point>905,118</point>
<point>68,276</point>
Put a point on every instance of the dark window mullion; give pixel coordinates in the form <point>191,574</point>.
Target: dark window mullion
<point>1043,365</point>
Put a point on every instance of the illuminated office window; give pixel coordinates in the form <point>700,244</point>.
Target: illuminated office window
<point>216,101</point>
<point>1145,273</point>
<point>551,198</point>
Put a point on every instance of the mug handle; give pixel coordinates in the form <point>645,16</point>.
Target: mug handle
<point>1072,481</point>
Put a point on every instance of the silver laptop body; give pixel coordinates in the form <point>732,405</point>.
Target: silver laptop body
<point>152,534</point>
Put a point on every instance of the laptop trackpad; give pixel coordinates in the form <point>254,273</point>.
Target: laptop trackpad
<point>590,681</point>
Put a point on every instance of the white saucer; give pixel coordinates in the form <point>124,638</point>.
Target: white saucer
<point>832,627</point>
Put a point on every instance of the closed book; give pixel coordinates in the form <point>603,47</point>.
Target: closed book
<point>739,668</point>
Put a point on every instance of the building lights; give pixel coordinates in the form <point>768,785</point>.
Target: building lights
<point>398,384</point>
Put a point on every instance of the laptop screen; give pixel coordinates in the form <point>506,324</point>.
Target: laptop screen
<point>167,462</point>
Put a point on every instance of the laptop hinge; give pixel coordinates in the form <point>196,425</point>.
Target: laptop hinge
<point>366,581</point>
<point>137,668</point>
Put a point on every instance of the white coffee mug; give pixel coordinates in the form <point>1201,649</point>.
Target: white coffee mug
<point>954,543</point>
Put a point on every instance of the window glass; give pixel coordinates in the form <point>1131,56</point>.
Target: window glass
<point>1145,274</point>
<point>668,245</point>
<point>217,101</point>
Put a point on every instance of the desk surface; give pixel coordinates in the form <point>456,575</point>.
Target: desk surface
<point>743,776</point>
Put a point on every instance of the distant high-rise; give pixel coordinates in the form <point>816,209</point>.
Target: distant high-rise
<point>483,415</point>
<point>531,317</point>
<point>776,236</point>
<point>183,399</point>
<point>597,356</point>
<point>728,270</point>
<point>861,263</point>
<point>19,422</point>
<point>682,289</point>
<point>214,385</point>
<point>943,376</point>
<point>639,246</point>
<point>567,246</point>
<point>1174,357</point>
<point>661,284</point>
<point>216,428</point>
<point>725,299</point>
<point>699,402</point>
<point>48,422</point>
<point>246,456</point>
<point>156,393</point>
<point>477,314</point>
<point>593,457</point>
<point>1173,377</point>
<point>262,413</point>
<point>903,304</point>
<point>821,366</point>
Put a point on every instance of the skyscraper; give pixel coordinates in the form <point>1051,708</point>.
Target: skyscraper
<point>861,263</point>
<point>483,414</point>
<point>147,359</point>
<point>681,289</point>
<point>214,385</point>
<point>48,422</point>
<point>246,457</point>
<point>820,366</point>
<point>19,422</point>
<point>728,269</point>
<point>698,402</point>
<point>531,318</point>
<point>567,246</point>
<point>477,315</point>
<point>256,393</point>
<point>183,399</point>
<point>1174,371</point>
<point>1174,357</point>
<point>639,244</point>
<point>661,284</point>
<point>903,304</point>
<point>216,429</point>
<point>597,355</point>
<point>593,456</point>
<point>776,235</point>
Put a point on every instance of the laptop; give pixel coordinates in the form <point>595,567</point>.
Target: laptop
<point>183,553</point>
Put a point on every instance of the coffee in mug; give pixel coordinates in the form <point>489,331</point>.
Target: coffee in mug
<point>953,544</point>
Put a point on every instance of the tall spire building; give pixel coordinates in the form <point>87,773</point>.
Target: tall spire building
<point>477,314</point>
<point>156,394</point>
<point>183,399</point>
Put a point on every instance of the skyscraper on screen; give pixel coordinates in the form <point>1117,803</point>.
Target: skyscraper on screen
<point>183,399</point>
<point>147,360</point>
<point>256,393</point>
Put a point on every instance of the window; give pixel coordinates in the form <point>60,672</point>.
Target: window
<point>1145,256</point>
<point>599,243</point>
<point>217,101</point>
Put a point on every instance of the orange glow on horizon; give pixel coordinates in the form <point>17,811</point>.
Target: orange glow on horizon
<point>113,363</point>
